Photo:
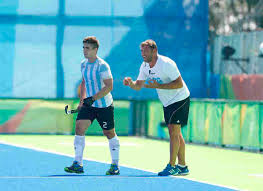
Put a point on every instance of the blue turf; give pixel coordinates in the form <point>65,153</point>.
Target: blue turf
<point>31,170</point>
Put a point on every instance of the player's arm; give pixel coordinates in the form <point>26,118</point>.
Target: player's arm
<point>105,90</point>
<point>136,85</point>
<point>82,93</point>
<point>82,90</point>
<point>176,84</point>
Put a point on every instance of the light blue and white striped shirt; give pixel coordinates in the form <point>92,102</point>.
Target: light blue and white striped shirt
<point>94,74</point>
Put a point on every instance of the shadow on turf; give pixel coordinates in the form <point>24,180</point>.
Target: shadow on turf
<point>91,175</point>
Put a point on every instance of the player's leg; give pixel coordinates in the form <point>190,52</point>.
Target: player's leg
<point>79,140</point>
<point>106,121</point>
<point>83,121</point>
<point>114,145</point>
<point>79,145</point>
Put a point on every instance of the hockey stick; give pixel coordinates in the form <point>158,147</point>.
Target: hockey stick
<point>70,111</point>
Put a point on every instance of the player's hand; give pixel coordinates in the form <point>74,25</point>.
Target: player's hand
<point>153,84</point>
<point>127,81</point>
<point>88,101</point>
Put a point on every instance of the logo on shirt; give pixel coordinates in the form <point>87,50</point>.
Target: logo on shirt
<point>150,72</point>
<point>156,79</point>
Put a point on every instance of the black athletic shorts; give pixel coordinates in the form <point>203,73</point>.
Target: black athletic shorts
<point>105,116</point>
<point>177,113</point>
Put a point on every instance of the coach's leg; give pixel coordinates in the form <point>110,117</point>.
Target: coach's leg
<point>79,141</point>
<point>181,152</point>
<point>114,145</point>
<point>174,132</point>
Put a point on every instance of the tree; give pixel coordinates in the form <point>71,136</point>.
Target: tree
<point>233,16</point>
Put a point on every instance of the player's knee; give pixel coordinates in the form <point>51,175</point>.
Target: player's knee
<point>109,133</point>
<point>80,128</point>
<point>79,131</point>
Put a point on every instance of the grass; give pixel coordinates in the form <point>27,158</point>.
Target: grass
<point>238,169</point>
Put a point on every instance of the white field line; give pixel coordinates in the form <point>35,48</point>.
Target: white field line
<point>256,175</point>
<point>63,177</point>
<point>102,144</point>
<point>124,165</point>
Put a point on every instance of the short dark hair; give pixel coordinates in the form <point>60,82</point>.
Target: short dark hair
<point>150,43</point>
<point>92,40</point>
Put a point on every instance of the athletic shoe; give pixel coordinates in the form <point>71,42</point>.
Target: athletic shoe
<point>182,170</point>
<point>74,168</point>
<point>168,171</point>
<point>114,170</point>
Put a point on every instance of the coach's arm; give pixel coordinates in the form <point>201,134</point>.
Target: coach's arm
<point>136,85</point>
<point>176,84</point>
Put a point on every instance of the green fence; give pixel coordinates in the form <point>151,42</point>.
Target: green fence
<point>218,122</point>
<point>48,117</point>
<point>34,116</point>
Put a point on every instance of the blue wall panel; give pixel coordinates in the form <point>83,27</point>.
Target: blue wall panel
<point>7,50</point>
<point>45,42</point>
<point>34,67</point>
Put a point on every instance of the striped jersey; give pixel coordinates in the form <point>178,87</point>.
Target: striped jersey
<point>94,74</point>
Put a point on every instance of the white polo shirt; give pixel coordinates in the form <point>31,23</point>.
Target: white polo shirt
<point>164,71</point>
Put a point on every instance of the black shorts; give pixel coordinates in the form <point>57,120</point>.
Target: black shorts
<point>105,116</point>
<point>177,113</point>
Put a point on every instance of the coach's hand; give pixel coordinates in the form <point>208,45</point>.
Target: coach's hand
<point>127,81</point>
<point>88,101</point>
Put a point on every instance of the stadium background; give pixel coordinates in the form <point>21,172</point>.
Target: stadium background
<point>41,51</point>
<point>44,43</point>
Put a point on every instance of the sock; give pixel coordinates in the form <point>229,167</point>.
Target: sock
<point>182,166</point>
<point>114,146</point>
<point>79,145</point>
